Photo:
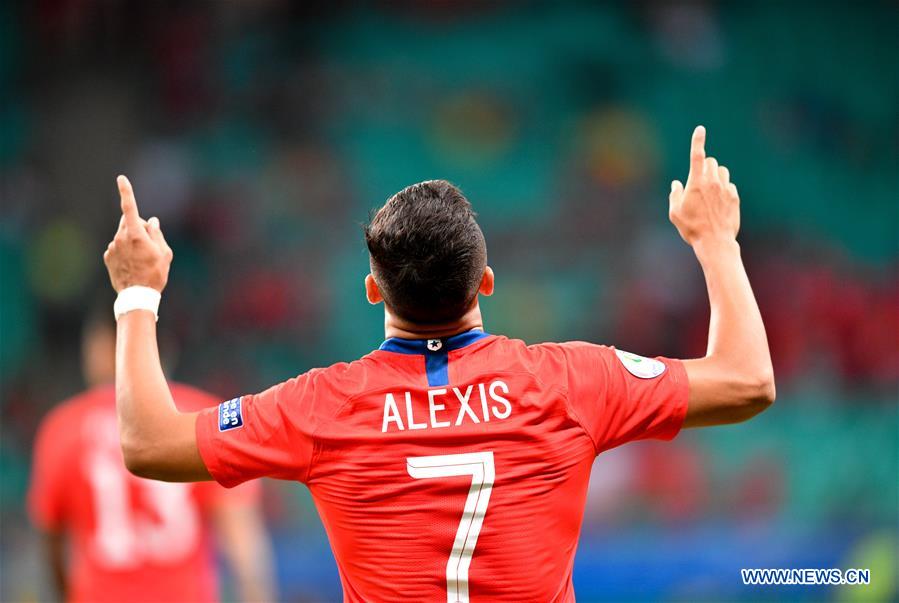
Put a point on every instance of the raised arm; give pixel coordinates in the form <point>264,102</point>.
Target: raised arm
<point>158,441</point>
<point>735,380</point>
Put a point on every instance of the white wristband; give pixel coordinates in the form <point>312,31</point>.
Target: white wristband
<point>137,298</point>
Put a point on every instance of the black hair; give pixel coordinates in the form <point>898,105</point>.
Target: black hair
<point>428,253</point>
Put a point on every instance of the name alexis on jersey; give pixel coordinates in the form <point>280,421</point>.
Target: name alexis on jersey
<point>448,407</point>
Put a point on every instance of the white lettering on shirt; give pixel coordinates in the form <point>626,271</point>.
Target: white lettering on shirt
<point>493,397</point>
<point>433,407</point>
<point>391,414</point>
<point>409,416</point>
<point>464,408</point>
<point>486,414</point>
<point>493,387</point>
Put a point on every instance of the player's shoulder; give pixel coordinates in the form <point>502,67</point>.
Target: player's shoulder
<point>574,344</point>
<point>552,362</point>
<point>568,349</point>
<point>348,378</point>
<point>378,369</point>
<point>321,391</point>
<point>547,353</point>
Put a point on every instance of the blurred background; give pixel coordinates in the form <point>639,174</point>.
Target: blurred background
<point>262,133</point>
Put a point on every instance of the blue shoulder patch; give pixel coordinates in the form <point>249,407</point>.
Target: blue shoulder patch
<point>230,415</point>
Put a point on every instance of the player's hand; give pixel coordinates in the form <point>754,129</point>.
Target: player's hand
<point>709,207</point>
<point>138,254</point>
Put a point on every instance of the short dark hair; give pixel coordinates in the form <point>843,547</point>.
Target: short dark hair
<point>428,253</point>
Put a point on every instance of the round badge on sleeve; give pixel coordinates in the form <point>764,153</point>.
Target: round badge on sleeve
<point>640,366</point>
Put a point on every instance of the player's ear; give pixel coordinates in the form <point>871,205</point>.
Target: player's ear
<point>486,287</point>
<point>372,293</point>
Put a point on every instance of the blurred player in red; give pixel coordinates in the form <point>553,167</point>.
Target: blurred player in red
<point>112,536</point>
<point>449,464</point>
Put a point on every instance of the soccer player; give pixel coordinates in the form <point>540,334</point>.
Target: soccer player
<point>128,538</point>
<point>449,464</point>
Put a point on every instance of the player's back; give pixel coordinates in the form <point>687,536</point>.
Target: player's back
<point>444,470</point>
<point>454,456</point>
<point>131,538</point>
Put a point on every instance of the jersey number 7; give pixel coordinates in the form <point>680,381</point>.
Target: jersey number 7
<point>479,465</point>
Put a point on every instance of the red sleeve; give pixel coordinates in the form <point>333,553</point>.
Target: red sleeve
<point>49,475</point>
<point>262,435</point>
<point>211,494</point>
<point>619,397</point>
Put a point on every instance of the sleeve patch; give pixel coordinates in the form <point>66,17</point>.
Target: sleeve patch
<point>230,415</point>
<point>640,366</point>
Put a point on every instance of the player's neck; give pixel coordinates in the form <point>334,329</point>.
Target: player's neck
<point>395,326</point>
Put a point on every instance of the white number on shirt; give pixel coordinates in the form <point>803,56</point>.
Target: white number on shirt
<point>479,465</point>
<point>166,527</point>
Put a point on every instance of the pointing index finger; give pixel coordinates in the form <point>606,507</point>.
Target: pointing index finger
<point>697,150</point>
<point>129,204</point>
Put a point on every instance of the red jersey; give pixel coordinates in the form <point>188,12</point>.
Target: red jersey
<point>131,539</point>
<point>449,469</point>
